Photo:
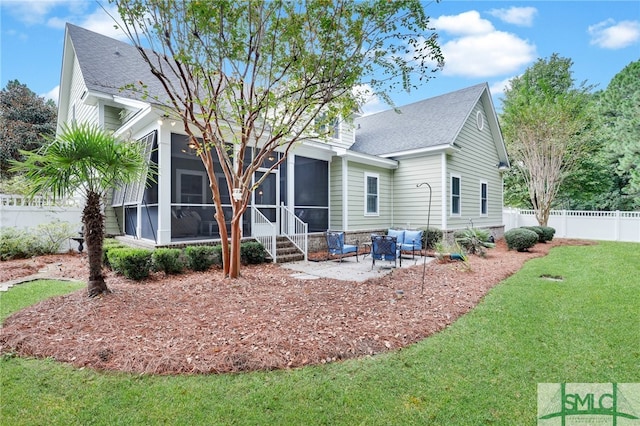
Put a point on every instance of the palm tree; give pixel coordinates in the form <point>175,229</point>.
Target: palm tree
<point>89,159</point>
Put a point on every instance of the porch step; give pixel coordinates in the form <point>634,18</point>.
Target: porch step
<point>286,251</point>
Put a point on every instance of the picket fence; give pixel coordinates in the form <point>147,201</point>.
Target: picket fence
<point>581,224</point>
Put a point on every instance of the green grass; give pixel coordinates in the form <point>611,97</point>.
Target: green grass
<point>484,369</point>
<point>24,295</point>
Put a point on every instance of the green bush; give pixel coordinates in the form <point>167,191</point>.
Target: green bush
<point>520,239</point>
<point>473,240</point>
<point>430,237</point>
<point>548,233</point>
<point>200,258</point>
<point>107,245</point>
<point>133,263</point>
<point>43,239</point>
<point>252,253</point>
<point>167,260</point>
<point>537,230</point>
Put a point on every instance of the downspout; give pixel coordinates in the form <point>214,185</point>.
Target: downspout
<point>443,206</point>
<point>345,194</point>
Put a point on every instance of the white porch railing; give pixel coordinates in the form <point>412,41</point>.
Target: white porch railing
<point>265,232</point>
<point>10,201</point>
<point>294,229</point>
<point>593,225</point>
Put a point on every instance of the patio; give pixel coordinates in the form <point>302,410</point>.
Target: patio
<point>349,269</point>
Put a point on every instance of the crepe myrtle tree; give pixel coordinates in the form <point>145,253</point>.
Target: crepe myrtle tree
<point>545,122</point>
<point>85,158</point>
<point>267,74</point>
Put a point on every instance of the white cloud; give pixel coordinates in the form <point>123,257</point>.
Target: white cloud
<point>522,16</point>
<point>499,87</point>
<point>36,11</point>
<point>466,23</point>
<point>478,49</point>
<point>53,94</point>
<point>100,22</point>
<point>369,102</point>
<point>609,35</point>
<point>488,55</point>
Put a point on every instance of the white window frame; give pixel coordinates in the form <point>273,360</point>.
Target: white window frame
<point>451,195</point>
<point>376,176</point>
<point>203,176</point>
<point>485,184</point>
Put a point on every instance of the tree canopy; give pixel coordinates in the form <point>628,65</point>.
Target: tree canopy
<point>266,75</point>
<point>545,122</point>
<point>619,125</point>
<point>25,121</point>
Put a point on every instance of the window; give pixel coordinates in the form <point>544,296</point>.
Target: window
<point>484,204</point>
<point>372,194</point>
<point>455,195</point>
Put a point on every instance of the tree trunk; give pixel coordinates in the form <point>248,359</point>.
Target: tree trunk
<point>93,221</point>
<point>234,267</point>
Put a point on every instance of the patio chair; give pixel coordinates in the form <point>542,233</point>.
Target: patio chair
<point>385,247</point>
<point>412,242</point>
<point>337,247</point>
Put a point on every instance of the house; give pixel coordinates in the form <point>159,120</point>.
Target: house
<point>361,180</point>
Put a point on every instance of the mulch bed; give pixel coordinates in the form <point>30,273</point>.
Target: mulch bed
<point>201,323</point>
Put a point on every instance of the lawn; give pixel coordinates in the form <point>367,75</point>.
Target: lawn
<point>484,369</point>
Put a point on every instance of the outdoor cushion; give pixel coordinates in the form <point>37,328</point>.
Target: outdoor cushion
<point>398,233</point>
<point>336,245</point>
<point>412,240</point>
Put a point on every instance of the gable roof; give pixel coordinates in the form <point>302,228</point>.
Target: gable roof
<point>431,123</point>
<point>108,65</point>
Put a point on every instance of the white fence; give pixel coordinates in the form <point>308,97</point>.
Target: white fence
<point>22,212</point>
<point>589,225</point>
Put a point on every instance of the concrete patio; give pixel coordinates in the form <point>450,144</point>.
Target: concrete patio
<point>349,269</point>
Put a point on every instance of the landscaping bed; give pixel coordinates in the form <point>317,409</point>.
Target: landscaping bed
<point>199,322</point>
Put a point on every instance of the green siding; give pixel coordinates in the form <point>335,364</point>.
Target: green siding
<point>336,195</point>
<point>357,218</point>
<point>411,204</point>
<point>476,161</point>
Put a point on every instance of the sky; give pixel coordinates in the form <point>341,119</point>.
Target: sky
<point>482,41</point>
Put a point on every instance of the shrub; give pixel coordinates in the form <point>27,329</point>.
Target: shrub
<point>473,240</point>
<point>430,237</point>
<point>252,253</point>
<point>167,260</point>
<point>52,235</point>
<point>548,233</point>
<point>520,239</point>
<point>107,245</point>
<point>200,258</point>
<point>24,243</point>
<point>537,230</point>
<point>133,263</point>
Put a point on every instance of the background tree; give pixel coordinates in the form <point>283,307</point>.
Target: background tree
<point>619,126</point>
<point>25,121</point>
<point>268,74</point>
<point>89,159</point>
<point>545,121</point>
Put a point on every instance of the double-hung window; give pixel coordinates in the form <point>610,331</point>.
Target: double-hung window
<point>455,195</point>
<point>372,194</point>
<point>484,199</point>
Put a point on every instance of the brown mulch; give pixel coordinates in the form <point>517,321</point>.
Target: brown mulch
<point>203,323</point>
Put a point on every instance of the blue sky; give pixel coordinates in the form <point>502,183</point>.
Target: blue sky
<point>483,41</point>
